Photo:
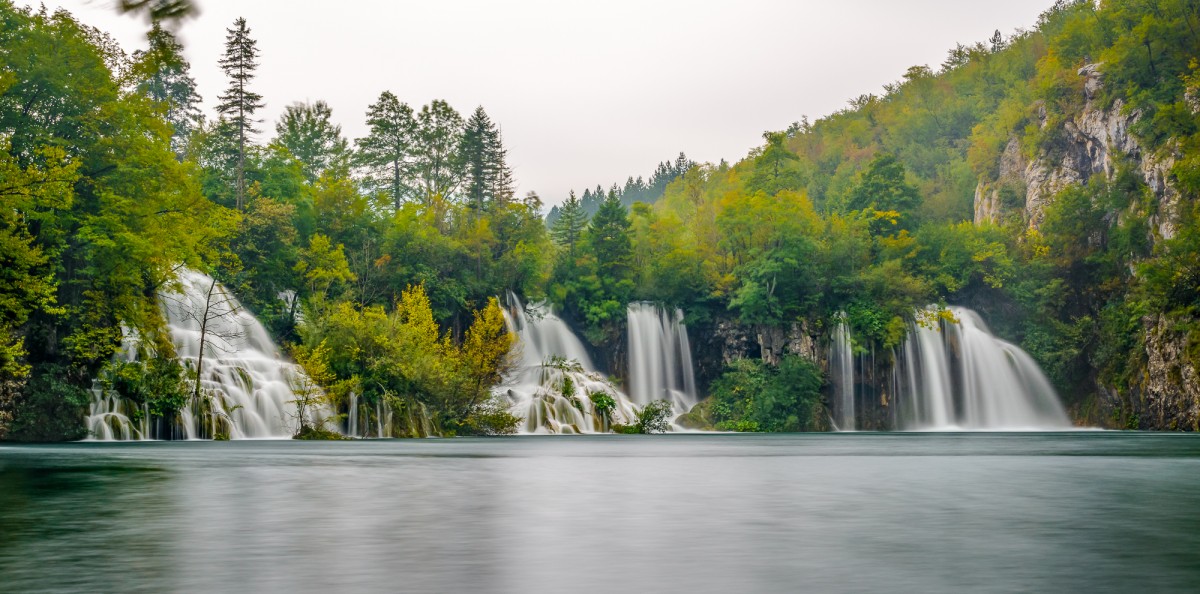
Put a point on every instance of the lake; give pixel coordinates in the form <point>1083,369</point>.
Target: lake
<point>857,512</point>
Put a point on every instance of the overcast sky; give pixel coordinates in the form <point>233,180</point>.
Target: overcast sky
<point>586,92</point>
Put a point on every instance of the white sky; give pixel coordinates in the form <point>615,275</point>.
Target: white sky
<point>586,92</point>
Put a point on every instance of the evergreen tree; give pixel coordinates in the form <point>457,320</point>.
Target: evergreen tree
<point>307,131</point>
<point>570,224</point>
<point>386,154</point>
<point>239,103</point>
<point>503,184</point>
<point>480,143</point>
<point>883,187</point>
<point>164,77</point>
<point>608,238</point>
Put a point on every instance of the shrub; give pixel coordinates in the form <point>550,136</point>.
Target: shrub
<point>752,396</point>
<point>51,408</point>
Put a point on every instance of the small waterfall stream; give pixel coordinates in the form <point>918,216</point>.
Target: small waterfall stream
<point>957,375</point>
<point>246,386</point>
<point>660,357</point>
<point>555,378</point>
<point>841,374</point>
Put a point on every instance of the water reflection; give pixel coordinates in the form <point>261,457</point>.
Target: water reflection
<point>1095,511</point>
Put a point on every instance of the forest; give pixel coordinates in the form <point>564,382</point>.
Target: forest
<point>381,263</point>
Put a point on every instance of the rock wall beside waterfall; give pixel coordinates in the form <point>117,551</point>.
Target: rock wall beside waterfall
<point>1097,141</point>
<point>1170,397</point>
<point>1093,142</point>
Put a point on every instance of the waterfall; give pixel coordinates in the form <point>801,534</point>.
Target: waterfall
<point>246,387</point>
<point>957,375</point>
<point>660,357</point>
<point>841,373</point>
<point>555,378</point>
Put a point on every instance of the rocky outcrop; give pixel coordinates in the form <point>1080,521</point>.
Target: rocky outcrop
<point>1170,396</point>
<point>1094,142</point>
<point>1098,140</point>
<point>733,340</point>
<point>774,342</point>
<point>993,200</point>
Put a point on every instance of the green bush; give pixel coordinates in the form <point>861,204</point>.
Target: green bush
<point>490,418</point>
<point>655,417</point>
<point>752,396</point>
<point>51,408</point>
<point>157,382</point>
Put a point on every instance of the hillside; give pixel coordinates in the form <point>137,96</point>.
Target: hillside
<point>1046,180</point>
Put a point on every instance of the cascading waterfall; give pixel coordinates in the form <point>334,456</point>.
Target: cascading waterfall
<point>660,357</point>
<point>352,415</point>
<point>555,379</point>
<point>246,387</point>
<point>957,375</point>
<point>110,417</point>
<point>841,373</point>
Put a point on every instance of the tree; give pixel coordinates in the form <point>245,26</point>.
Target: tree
<point>883,187</point>
<point>386,154</point>
<point>160,10</point>
<point>238,102</point>
<point>323,266</point>
<point>568,228</point>
<point>608,239</point>
<point>113,232</point>
<point>309,134</point>
<point>310,388</point>
<point>487,176</point>
<point>775,167</point>
<point>164,77</point>
<point>484,359</point>
<point>437,164</point>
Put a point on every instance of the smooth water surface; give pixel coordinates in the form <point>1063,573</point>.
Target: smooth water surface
<point>1084,511</point>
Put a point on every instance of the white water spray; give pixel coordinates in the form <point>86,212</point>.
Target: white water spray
<point>555,379</point>
<point>660,357</point>
<point>841,373</point>
<point>957,375</point>
<point>245,385</point>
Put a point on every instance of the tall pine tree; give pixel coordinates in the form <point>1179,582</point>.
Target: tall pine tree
<point>488,178</point>
<point>570,224</point>
<point>385,155</point>
<point>608,238</point>
<point>238,102</point>
<point>164,77</point>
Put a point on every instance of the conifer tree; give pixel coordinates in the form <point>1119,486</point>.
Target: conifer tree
<point>239,103</point>
<point>164,77</point>
<point>568,228</point>
<point>386,154</point>
<point>608,238</point>
<point>478,168</point>
<point>488,178</point>
<point>503,185</point>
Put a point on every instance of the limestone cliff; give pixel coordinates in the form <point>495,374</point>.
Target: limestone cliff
<point>1096,141</point>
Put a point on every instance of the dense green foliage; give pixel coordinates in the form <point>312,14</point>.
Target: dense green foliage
<point>752,396</point>
<point>377,260</point>
<point>111,181</point>
<point>868,212</point>
<point>653,418</point>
